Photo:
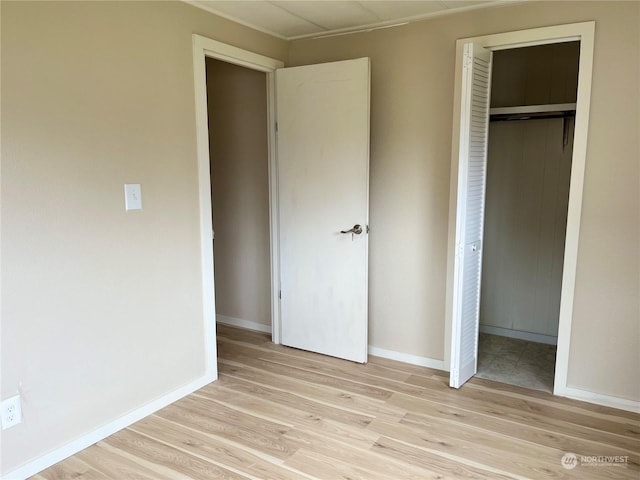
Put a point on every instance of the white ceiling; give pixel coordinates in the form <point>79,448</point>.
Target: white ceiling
<point>291,19</point>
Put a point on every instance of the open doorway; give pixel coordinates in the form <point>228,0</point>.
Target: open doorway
<point>531,127</point>
<point>347,101</point>
<point>239,169</point>
<point>203,49</point>
<point>468,181</point>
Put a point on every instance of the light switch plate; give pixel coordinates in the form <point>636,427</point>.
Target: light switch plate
<point>132,196</point>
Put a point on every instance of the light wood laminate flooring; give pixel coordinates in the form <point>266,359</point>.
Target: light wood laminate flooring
<point>281,413</point>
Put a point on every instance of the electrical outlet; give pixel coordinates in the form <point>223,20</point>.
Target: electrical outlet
<point>11,410</point>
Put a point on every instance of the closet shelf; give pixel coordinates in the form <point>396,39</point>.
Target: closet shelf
<point>526,109</point>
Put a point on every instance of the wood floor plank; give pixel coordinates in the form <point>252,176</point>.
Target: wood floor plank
<point>242,336</point>
<point>202,416</point>
<point>504,443</point>
<point>409,368</point>
<point>612,414</point>
<point>462,449</point>
<point>283,414</point>
<point>72,469</point>
<point>530,405</point>
<point>534,413</point>
<point>256,424</point>
<point>308,376</point>
<point>294,383</point>
<point>549,422</point>
<point>295,400</point>
<point>419,408</point>
<point>214,449</point>
<point>440,465</point>
<point>320,466</point>
<point>312,361</point>
<point>349,453</point>
<point>298,418</point>
<point>376,366</point>
<point>349,372</point>
<point>170,458</point>
<point>114,463</point>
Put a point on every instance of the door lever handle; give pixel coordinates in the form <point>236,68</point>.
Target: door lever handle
<point>357,230</point>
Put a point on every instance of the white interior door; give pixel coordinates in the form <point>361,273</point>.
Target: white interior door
<point>472,175</point>
<point>323,185</point>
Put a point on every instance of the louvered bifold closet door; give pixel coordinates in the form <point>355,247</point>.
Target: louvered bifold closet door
<point>472,176</point>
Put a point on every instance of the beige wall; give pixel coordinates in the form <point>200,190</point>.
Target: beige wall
<point>101,309</point>
<point>412,103</point>
<point>535,75</point>
<point>528,174</point>
<point>237,101</point>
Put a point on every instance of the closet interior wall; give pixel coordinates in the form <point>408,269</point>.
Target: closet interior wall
<point>528,176</point>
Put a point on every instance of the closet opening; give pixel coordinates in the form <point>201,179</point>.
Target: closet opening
<point>530,146</point>
<point>237,108</point>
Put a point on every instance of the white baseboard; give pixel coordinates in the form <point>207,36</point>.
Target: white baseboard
<point>237,322</point>
<point>104,431</point>
<point>598,398</point>
<point>407,358</point>
<point>531,337</point>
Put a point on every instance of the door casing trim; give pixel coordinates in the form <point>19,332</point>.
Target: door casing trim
<point>204,47</point>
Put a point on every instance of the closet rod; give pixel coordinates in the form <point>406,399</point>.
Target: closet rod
<point>530,112</point>
<point>502,117</point>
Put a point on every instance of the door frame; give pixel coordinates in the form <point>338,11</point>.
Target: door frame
<point>583,32</point>
<point>204,47</point>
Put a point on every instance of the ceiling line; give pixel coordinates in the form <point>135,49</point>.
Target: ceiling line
<point>204,5</point>
<point>405,20</point>
<point>371,29</point>
<point>362,5</point>
<point>296,15</point>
